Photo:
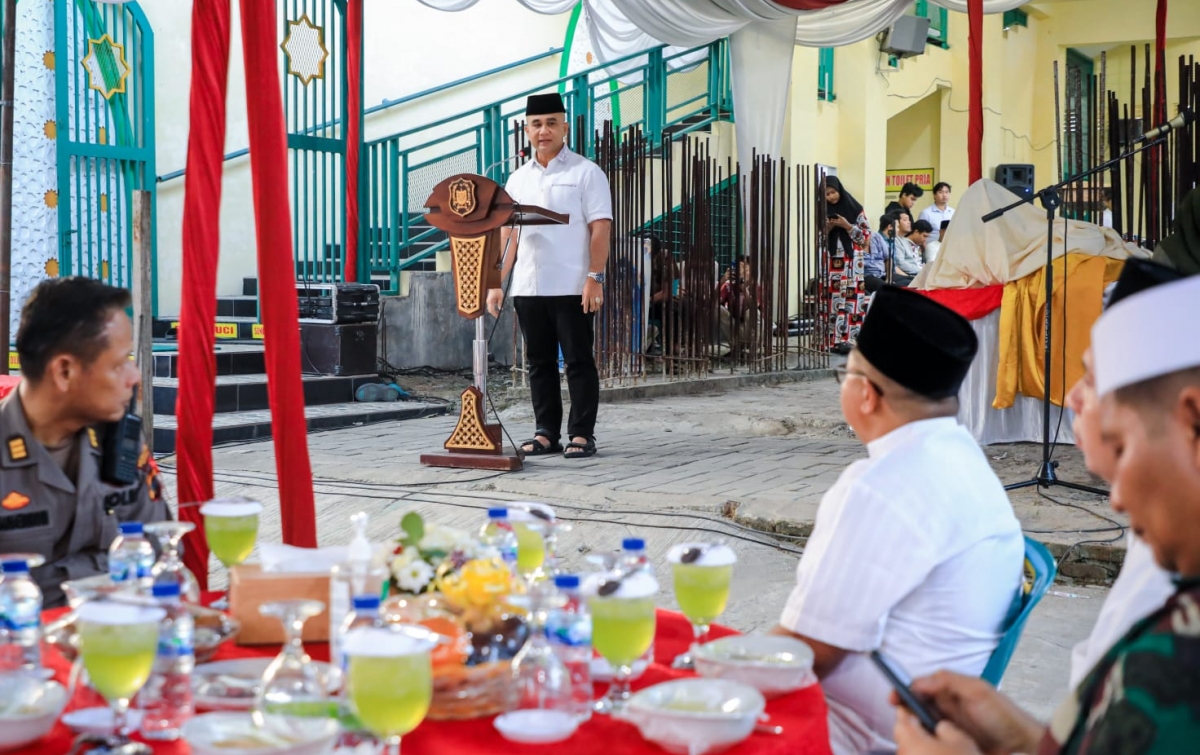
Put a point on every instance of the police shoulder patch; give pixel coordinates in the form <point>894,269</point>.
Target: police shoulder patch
<point>17,451</point>
<point>92,437</point>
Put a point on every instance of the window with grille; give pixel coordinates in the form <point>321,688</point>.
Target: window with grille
<point>938,22</point>
<point>825,75</point>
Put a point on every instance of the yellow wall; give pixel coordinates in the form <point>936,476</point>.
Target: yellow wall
<point>914,137</point>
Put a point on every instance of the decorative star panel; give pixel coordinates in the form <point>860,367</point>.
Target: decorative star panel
<point>305,50</point>
<point>106,67</point>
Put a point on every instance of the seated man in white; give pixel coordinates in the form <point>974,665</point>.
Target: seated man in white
<point>915,550</point>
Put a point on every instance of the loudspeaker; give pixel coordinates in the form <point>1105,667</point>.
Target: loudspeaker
<point>907,37</point>
<point>1016,178</point>
<point>328,349</point>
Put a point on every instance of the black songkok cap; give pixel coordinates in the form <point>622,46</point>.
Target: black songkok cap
<point>544,104</point>
<point>1139,275</point>
<point>922,345</point>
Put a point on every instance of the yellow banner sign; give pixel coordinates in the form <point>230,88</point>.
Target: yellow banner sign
<point>256,331</point>
<point>227,330</point>
<point>922,177</point>
<point>13,362</point>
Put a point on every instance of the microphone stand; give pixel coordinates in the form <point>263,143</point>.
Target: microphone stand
<point>891,268</point>
<point>1050,199</point>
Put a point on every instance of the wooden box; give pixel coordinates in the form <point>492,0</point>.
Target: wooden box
<point>250,587</point>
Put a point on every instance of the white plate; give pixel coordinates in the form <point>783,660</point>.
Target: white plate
<point>99,721</point>
<point>602,672</point>
<point>231,685</point>
<point>536,727</point>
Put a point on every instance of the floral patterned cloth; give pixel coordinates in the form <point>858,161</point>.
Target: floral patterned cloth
<point>842,290</point>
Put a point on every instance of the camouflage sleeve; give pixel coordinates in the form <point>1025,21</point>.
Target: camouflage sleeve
<point>1150,703</point>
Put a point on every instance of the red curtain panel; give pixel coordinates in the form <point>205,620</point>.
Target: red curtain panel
<point>354,20</point>
<point>975,92</point>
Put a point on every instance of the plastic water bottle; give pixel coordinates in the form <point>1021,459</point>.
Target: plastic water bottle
<point>634,559</point>
<point>569,630</point>
<point>498,533</point>
<point>364,614</point>
<point>131,559</point>
<point>166,700</point>
<point>20,620</point>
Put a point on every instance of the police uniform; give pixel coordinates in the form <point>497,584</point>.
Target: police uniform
<point>71,523</point>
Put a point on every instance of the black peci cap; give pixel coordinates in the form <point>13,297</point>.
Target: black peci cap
<point>922,345</point>
<point>1138,275</point>
<point>544,104</point>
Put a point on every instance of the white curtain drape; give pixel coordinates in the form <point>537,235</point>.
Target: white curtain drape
<point>549,7</point>
<point>847,23</point>
<point>761,61</point>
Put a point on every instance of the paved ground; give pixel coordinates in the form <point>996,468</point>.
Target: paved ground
<point>673,469</point>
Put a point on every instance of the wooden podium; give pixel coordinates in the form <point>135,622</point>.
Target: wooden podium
<point>472,209</point>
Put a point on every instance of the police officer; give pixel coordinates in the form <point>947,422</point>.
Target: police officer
<point>74,342</point>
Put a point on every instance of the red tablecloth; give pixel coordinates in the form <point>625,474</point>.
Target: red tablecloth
<point>971,303</point>
<point>801,714</point>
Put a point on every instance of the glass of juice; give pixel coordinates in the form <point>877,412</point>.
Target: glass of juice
<point>702,573</point>
<point>118,643</point>
<point>531,549</point>
<point>389,679</point>
<point>623,624</point>
<point>231,528</point>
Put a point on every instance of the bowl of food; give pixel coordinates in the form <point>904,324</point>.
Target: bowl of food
<point>236,734</point>
<point>213,629</point>
<point>772,665</point>
<point>28,709</point>
<point>695,716</point>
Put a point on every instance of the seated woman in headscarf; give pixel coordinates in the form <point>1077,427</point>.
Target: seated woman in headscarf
<point>847,236</point>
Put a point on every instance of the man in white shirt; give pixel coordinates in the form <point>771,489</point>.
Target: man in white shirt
<point>1142,586</point>
<point>915,550</point>
<point>558,278</point>
<point>940,210</point>
<point>908,257</point>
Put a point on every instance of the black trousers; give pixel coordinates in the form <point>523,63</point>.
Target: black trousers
<point>548,322</point>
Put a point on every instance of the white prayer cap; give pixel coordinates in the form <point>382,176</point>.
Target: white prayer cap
<point>1148,335</point>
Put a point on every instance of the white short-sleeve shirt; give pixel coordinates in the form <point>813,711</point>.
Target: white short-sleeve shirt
<point>552,260</point>
<point>935,218</point>
<point>916,552</point>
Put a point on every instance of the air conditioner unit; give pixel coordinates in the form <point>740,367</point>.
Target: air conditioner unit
<point>907,37</point>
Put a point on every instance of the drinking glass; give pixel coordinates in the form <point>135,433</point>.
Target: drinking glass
<point>169,567</point>
<point>291,687</point>
<point>531,549</point>
<point>702,574</point>
<point>118,642</point>
<point>231,528</point>
<point>623,623</point>
<point>540,680</point>
<point>389,679</point>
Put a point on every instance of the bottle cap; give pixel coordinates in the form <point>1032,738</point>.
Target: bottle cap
<point>19,566</point>
<point>567,581</point>
<point>366,603</point>
<point>633,544</point>
<point>165,590</point>
<point>131,528</point>
<point>498,513</point>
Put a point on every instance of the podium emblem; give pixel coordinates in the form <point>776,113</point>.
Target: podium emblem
<point>462,197</point>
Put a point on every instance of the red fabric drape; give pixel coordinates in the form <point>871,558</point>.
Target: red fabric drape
<point>971,303</point>
<point>201,248</point>
<point>354,18</point>
<point>276,271</point>
<point>975,105</point>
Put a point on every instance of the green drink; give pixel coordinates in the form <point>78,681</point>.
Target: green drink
<point>231,538</point>
<point>231,527</point>
<point>531,548</point>
<point>118,657</point>
<point>391,695</point>
<point>389,679</point>
<point>622,628</point>
<point>702,591</point>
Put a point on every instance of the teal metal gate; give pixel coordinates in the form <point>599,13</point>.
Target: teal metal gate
<point>104,100</point>
<point>315,97</point>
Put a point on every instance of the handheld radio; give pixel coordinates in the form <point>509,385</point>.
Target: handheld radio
<point>122,446</point>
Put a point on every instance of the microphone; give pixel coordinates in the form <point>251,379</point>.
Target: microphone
<point>1185,117</point>
<point>524,152</point>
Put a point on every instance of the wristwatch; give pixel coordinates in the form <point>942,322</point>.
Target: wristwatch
<point>598,277</point>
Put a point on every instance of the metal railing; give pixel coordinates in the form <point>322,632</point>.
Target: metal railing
<point>655,92</point>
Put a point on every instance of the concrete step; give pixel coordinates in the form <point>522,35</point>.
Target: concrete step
<point>243,426</point>
<point>242,393</point>
<point>232,359</point>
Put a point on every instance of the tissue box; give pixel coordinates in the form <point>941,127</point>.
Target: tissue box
<point>250,587</point>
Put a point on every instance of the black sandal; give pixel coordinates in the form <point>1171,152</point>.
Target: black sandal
<point>539,448</point>
<point>588,448</point>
